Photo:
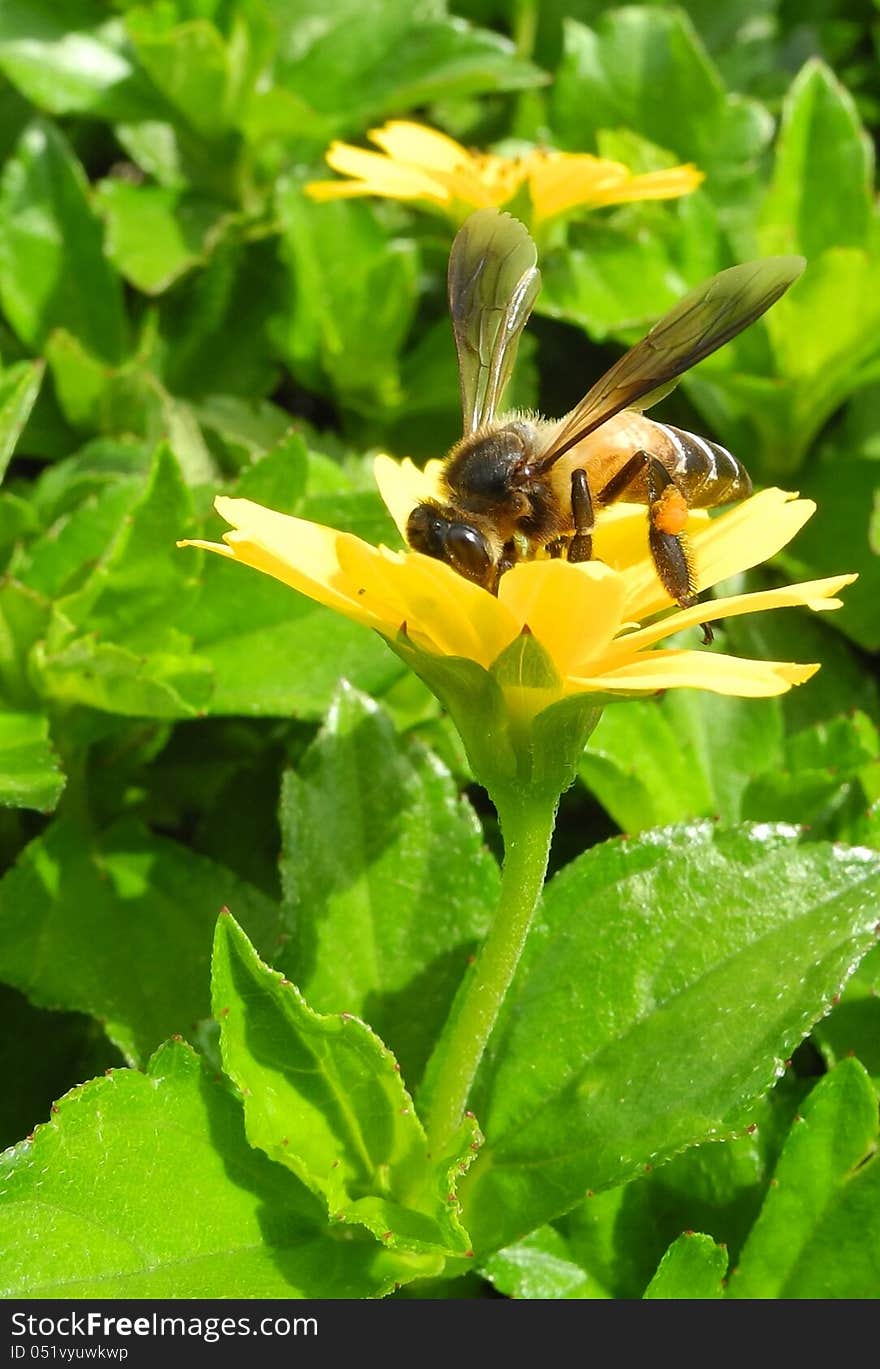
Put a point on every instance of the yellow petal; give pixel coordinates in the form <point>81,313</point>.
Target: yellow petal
<point>382,589</point>
<point>419,145</point>
<point>700,670</point>
<point>572,610</point>
<point>402,485</point>
<point>814,594</point>
<point>743,537</point>
<point>560,181</point>
<point>307,556</point>
<point>379,175</point>
<point>454,616</point>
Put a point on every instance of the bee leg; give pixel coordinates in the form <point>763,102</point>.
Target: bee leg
<point>506,561</point>
<point>667,514</point>
<point>580,548</point>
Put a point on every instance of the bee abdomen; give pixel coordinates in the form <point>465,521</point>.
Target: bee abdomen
<point>707,473</point>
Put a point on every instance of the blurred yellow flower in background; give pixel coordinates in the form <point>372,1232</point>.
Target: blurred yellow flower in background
<point>421,164</point>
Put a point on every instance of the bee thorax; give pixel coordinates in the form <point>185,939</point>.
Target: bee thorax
<point>480,471</point>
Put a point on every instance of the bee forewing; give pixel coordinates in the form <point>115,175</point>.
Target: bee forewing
<point>699,324</point>
<point>493,283</point>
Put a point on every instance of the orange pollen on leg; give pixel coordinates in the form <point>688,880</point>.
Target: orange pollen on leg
<point>670,512</point>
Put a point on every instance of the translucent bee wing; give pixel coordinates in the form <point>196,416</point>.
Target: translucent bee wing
<point>699,324</point>
<point>493,283</point>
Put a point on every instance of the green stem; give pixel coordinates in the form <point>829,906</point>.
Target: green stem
<point>527,827</point>
<point>525,27</point>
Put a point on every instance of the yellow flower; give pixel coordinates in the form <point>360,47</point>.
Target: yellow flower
<point>597,621</point>
<point>419,163</point>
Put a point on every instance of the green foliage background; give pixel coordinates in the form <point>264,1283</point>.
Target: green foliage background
<point>177,318</point>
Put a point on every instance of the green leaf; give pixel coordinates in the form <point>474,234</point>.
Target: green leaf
<point>539,1266</point>
<point>115,679</point>
<point>190,63</point>
<point>825,779</point>
<point>215,325</point>
<point>818,1235</point>
<point>30,776</point>
<point>353,65</point>
<point>616,1238</point>
<point>841,538</point>
<point>71,59</point>
<point>113,643</point>
<point>853,1025</point>
<point>693,1267</point>
<point>645,951</point>
<point>19,387</point>
<point>387,932</point>
<point>841,683</point>
<point>53,272</point>
<point>351,299</point>
<point>120,927</point>
<point>687,755</point>
<point>81,1185</point>
<point>824,334</point>
<point>609,282</point>
<point>156,234</point>
<point>821,143</point>
<point>324,1096</point>
<point>645,69</point>
<point>272,651</point>
<point>620,1234</point>
<point>139,583</point>
<point>24,616</point>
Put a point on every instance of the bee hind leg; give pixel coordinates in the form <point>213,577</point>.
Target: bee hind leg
<point>667,515</point>
<point>580,548</point>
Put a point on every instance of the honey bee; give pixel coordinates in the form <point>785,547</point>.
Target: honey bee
<point>518,486</point>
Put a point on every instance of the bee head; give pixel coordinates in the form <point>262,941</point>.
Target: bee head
<point>441,532</point>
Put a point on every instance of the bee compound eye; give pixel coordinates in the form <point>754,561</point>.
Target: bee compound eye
<point>468,551</point>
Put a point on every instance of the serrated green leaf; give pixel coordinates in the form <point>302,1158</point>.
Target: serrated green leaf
<point>120,927</point>
<point>387,933</point>
<point>617,1237</point>
<point>324,1096</point>
<point>30,776</point>
<point>53,272</point>
<point>82,1184</point>
<point>693,1267</point>
<point>646,951</point>
<point>821,143</point>
<point>818,1235</point>
<point>853,1025</point>
<point>19,387</point>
